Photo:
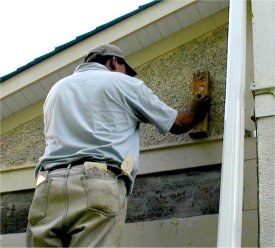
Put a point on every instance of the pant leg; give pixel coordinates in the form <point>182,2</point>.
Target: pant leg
<point>77,211</point>
<point>96,220</point>
<point>46,214</point>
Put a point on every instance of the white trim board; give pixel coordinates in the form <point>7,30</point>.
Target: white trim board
<point>155,159</point>
<point>179,232</point>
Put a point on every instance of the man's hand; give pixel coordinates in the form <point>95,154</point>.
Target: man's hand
<point>198,106</point>
<point>194,113</point>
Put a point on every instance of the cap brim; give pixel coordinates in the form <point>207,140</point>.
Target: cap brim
<point>129,70</point>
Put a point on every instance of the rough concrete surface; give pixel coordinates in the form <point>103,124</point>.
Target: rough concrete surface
<point>266,168</point>
<point>14,211</point>
<point>24,144</point>
<point>177,194</point>
<point>170,77</point>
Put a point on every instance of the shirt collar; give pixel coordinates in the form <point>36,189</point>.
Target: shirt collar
<point>90,66</point>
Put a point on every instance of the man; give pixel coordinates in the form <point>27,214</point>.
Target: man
<point>92,149</point>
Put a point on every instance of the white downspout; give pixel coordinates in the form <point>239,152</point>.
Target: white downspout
<point>231,193</point>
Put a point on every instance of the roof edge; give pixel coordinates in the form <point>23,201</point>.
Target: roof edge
<point>77,40</point>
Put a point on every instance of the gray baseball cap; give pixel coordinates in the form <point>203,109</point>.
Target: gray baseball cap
<point>110,50</point>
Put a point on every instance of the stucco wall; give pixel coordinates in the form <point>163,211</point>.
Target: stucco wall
<point>266,170</point>
<point>24,144</point>
<point>169,76</point>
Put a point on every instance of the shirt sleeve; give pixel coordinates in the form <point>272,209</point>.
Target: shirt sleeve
<point>148,108</point>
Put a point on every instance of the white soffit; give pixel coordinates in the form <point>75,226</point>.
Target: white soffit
<point>32,92</point>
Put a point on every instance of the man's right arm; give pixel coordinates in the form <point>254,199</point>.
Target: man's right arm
<point>194,113</point>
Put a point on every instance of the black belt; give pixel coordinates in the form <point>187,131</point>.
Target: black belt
<point>117,171</point>
<point>64,166</point>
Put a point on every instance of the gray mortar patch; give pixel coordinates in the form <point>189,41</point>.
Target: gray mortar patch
<point>165,195</point>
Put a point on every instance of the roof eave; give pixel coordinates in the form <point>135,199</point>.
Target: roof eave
<point>77,40</point>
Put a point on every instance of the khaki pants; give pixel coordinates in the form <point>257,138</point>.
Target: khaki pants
<point>77,208</point>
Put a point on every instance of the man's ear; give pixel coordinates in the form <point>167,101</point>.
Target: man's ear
<point>113,63</point>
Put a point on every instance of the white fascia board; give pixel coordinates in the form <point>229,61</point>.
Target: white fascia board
<point>78,51</point>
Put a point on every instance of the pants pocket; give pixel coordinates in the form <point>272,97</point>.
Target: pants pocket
<point>38,207</point>
<point>102,195</point>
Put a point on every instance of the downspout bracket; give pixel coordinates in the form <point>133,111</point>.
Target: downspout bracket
<point>262,91</point>
<point>264,106</point>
